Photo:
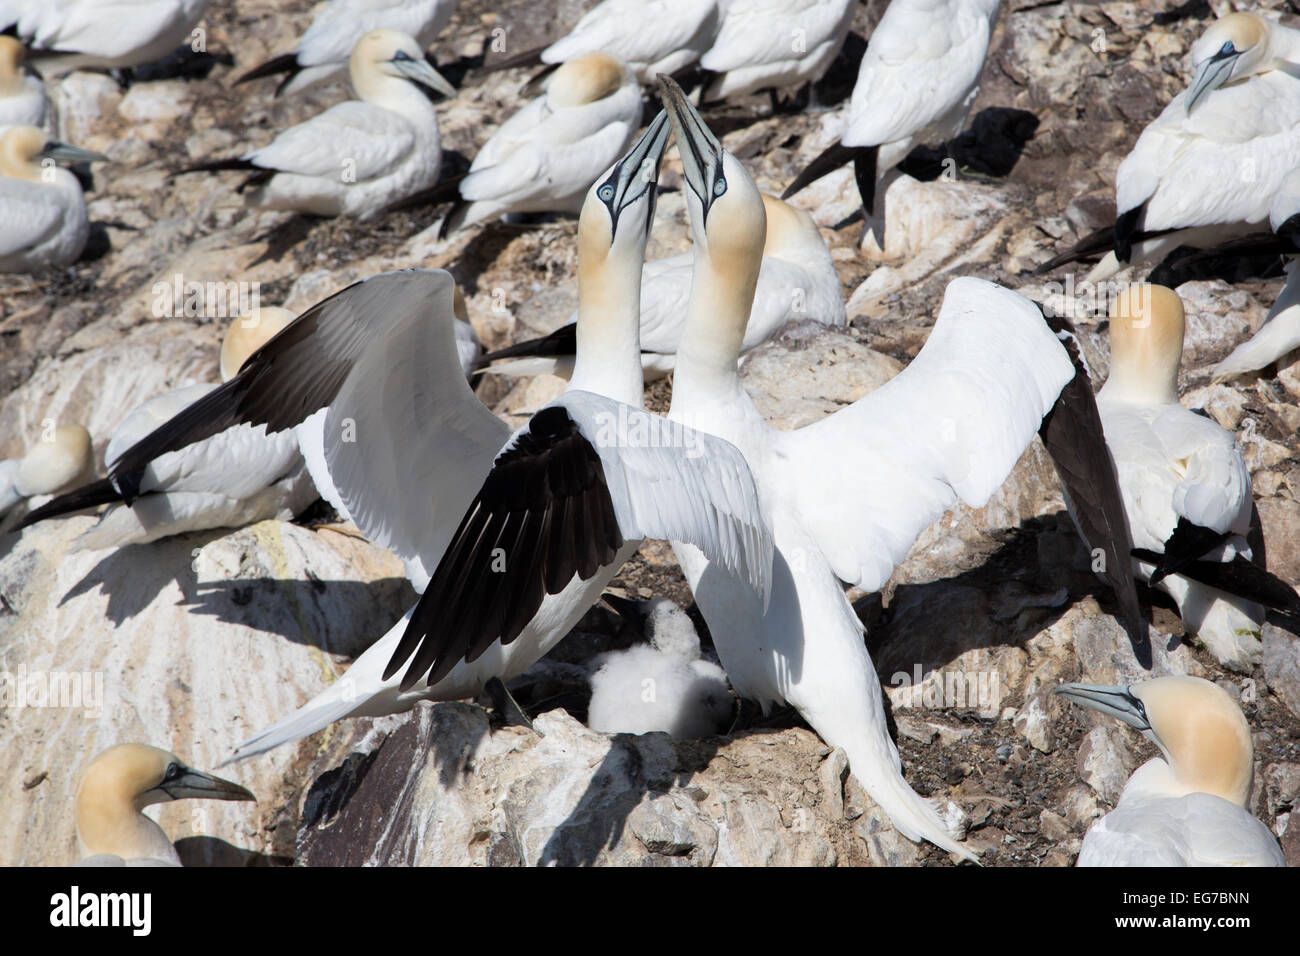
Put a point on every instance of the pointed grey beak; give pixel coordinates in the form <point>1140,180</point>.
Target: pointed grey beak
<point>63,153</point>
<point>194,784</point>
<point>700,150</point>
<point>422,72</point>
<point>1118,702</point>
<point>1213,73</point>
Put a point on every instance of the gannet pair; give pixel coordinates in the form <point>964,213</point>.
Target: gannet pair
<point>238,477</point>
<point>43,219</point>
<point>1185,483</point>
<point>66,35</point>
<point>358,157</point>
<point>797,282</point>
<point>1189,806</point>
<point>323,51</point>
<point>22,94</point>
<point>1207,168</point>
<point>118,784</point>
<point>916,84</point>
<point>48,468</point>
<point>545,157</point>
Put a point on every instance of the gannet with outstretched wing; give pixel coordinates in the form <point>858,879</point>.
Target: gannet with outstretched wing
<point>1189,806</point>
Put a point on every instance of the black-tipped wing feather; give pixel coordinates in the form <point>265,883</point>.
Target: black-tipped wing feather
<point>96,493</point>
<point>1239,577</point>
<point>560,343</point>
<point>832,158</point>
<point>1188,543</point>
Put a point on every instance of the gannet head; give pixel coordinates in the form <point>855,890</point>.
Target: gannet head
<point>586,79</point>
<point>1197,726</point>
<point>249,333</point>
<point>25,149</point>
<point>123,780</point>
<point>1232,47</point>
<point>458,307</point>
<point>11,66</point>
<point>387,54</point>
<point>1146,344</point>
<point>51,466</point>
<point>788,227</point>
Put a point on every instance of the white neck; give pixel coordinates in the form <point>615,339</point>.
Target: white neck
<point>608,359</point>
<point>394,93</point>
<point>715,328</point>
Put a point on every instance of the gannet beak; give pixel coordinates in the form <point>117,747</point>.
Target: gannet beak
<point>1213,73</point>
<point>700,151</point>
<point>63,153</point>
<point>1118,702</point>
<point>422,72</point>
<point>196,784</point>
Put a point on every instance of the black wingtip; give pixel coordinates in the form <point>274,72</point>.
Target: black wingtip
<point>1091,246</point>
<point>101,492</point>
<point>221,165</point>
<point>285,63</point>
<point>830,159</point>
<point>1243,578</point>
<point>561,343</point>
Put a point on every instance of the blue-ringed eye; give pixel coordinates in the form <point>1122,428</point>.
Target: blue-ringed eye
<point>720,186</point>
<point>401,55</point>
<point>1227,49</point>
<point>606,192</point>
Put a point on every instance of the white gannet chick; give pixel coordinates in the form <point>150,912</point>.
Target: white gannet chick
<point>359,157</point>
<point>322,52</point>
<point>43,218</point>
<point>797,282</point>
<point>1280,332</point>
<point>119,783</point>
<point>665,686</point>
<point>774,44</point>
<point>235,478</point>
<point>22,95</point>
<point>916,84</point>
<point>545,157</point>
<point>1186,807</point>
<point>49,467</point>
<point>846,496</point>
<point>650,36</point>
<point>1185,484</point>
<point>1207,168</point>
<point>88,34</point>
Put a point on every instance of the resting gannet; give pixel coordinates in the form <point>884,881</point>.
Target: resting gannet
<point>63,461</point>
<point>22,94</point>
<point>650,36</point>
<point>1185,484</point>
<point>67,35</point>
<point>916,84</point>
<point>773,44</point>
<point>43,218</point>
<point>797,281</point>
<point>322,53</point>
<point>1186,807</point>
<point>847,496</point>
<point>359,157</point>
<point>119,783</point>
<point>545,157</point>
<point>238,477</point>
<point>1206,169</point>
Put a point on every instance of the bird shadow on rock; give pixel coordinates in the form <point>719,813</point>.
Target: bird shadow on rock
<point>281,238</point>
<point>210,851</point>
<point>991,146</point>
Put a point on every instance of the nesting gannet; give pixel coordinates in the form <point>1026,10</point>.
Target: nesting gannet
<point>22,95</point>
<point>66,35</point>
<point>1280,332</point>
<point>545,157</point>
<point>322,53</point>
<point>359,157</point>
<point>119,783</point>
<point>847,496</point>
<point>773,44</point>
<point>916,84</point>
<point>797,281</point>
<point>1206,169</point>
<point>650,36</point>
<point>664,686</point>
<point>237,477</point>
<point>1185,484</point>
<point>43,218</point>
<point>49,467</point>
<point>1187,807</point>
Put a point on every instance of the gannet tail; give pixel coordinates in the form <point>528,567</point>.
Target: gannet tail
<point>913,815</point>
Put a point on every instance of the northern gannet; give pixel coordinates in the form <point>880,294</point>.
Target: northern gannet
<point>1185,483</point>
<point>545,157</point>
<point>49,467</point>
<point>322,52</point>
<point>847,496</point>
<point>237,477</point>
<point>796,282</point>
<point>916,84</point>
<point>1187,807</point>
<point>664,686</point>
<point>358,157</point>
<point>773,44</point>
<point>67,35</point>
<point>650,36</point>
<point>119,783</point>
<point>22,94</point>
<point>1206,169</point>
<point>43,218</point>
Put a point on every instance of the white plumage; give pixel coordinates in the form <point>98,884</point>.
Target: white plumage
<point>22,95</point>
<point>650,36</point>
<point>43,219</point>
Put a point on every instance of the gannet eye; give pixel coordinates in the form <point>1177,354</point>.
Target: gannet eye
<point>1227,49</point>
<point>719,187</point>
<point>172,772</point>
<point>401,55</point>
<point>606,192</point>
